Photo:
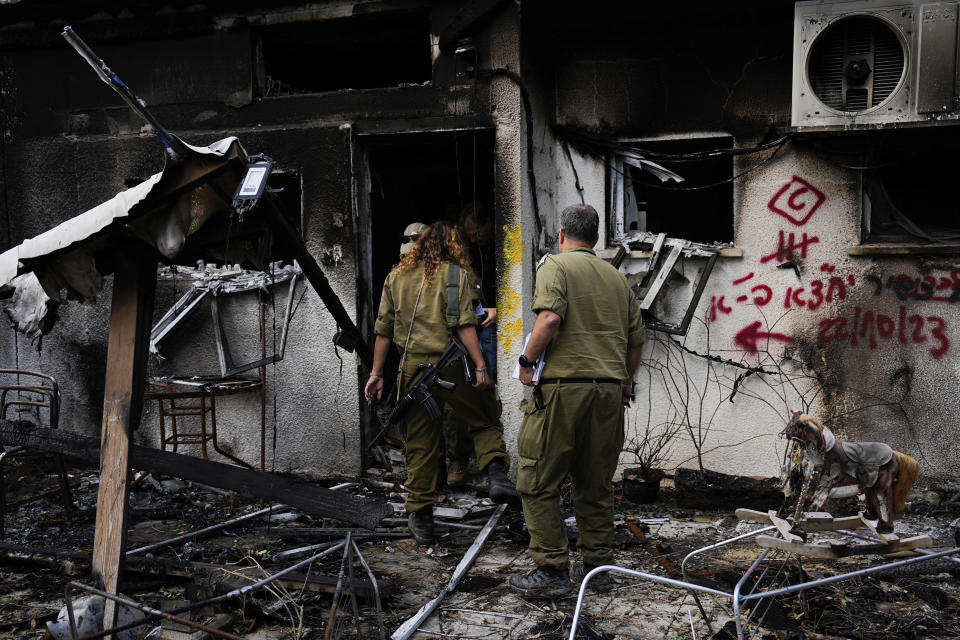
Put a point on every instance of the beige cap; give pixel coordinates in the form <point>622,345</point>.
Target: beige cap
<point>410,235</point>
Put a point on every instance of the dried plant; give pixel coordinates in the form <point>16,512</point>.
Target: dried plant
<point>776,380</point>
<point>651,447</point>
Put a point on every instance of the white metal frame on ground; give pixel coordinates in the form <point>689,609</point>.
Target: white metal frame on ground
<point>738,597</point>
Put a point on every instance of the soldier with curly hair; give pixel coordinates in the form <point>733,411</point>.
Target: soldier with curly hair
<point>415,314</point>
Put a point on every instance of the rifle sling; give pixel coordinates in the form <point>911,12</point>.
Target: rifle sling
<point>453,297</point>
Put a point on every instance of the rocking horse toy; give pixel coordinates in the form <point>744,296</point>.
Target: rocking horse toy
<point>819,456</point>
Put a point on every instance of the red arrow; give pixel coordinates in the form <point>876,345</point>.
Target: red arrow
<point>747,337</point>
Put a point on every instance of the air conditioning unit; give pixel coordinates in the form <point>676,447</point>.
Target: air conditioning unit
<point>866,64</point>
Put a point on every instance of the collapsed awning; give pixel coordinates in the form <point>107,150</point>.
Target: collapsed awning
<point>65,262</point>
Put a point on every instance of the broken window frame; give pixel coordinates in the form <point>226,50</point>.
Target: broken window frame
<point>189,301</point>
<point>659,268</point>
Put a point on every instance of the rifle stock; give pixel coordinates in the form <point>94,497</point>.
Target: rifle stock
<point>420,391</point>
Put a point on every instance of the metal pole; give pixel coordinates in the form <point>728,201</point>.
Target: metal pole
<point>193,534</point>
<point>408,628</point>
<point>373,583</point>
<point>853,574</point>
<point>683,565</point>
<point>736,592</point>
<point>176,148</point>
<point>636,574</point>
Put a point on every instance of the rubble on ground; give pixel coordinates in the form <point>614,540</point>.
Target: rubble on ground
<point>43,550</point>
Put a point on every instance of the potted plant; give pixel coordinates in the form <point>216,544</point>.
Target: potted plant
<point>650,449</point>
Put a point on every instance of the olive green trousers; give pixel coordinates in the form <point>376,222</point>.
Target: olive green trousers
<point>478,411</point>
<point>577,429</point>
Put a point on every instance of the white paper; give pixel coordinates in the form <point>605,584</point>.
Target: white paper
<point>537,368</point>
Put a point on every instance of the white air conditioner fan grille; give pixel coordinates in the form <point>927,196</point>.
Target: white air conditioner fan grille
<point>855,64</point>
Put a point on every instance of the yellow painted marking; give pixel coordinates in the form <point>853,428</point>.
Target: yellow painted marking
<point>511,331</point>
<point>512,245</point>
<point>509,301</point>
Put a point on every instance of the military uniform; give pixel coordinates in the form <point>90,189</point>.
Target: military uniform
<point>478,410</point>
<point>574,421</point>
<point>459,442</point>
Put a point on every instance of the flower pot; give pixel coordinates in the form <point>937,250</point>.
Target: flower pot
<point>640,489</point>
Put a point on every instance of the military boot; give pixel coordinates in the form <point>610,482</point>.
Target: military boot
<point>542,582</point>
<point>421,525</point>
<point>501,489</point>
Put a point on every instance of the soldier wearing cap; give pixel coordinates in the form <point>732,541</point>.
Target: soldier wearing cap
<point>415,315</point>
<point>588,323</point>
<point>410,236</point>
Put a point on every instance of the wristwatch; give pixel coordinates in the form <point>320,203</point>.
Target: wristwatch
<point>526,364</point>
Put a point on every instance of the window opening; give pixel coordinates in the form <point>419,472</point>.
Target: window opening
<point>913,198</point>
<point>349,53</point>
<point>700,208</point>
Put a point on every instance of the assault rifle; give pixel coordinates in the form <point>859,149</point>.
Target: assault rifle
<point>420,392</point>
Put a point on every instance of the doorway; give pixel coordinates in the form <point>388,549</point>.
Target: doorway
<point>416,177</point>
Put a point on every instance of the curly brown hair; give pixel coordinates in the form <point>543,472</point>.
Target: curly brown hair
<point>439,243</point>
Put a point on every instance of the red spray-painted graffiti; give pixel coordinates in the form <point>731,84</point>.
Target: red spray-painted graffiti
<point>748,337</point>
<point>797,201</point>
<point>872,327</point>
<point>836,290</point>
<point>785,250</point>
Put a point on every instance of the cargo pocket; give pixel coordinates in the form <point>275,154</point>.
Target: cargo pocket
<point>527,479</point>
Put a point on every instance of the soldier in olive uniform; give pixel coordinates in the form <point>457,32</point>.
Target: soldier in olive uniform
<point>414,315</point>
<point>589,326</point>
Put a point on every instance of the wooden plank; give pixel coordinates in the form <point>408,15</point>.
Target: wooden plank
<point>783,527</point>
<point>306,496</point>
<point>886,537</point>
<point>833,551</point>
<point>134,279</point>
<point>810,525</point>
<point>287,235</point>
<point>822,551</point>
<point>662,276</point>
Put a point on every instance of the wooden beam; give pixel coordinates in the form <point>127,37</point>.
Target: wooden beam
<point>134,281</point>
<point>809,525</point>
<point>783,527</point>
<point>285,232</point>
<point>306,496</point>
<point>833,551</point>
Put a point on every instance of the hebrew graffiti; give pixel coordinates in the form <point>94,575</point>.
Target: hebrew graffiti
<point>874,327</point>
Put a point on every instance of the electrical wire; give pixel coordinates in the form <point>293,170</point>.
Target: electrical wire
<point>762,162</point>
<point>860,152</point>
<point>574,136</point>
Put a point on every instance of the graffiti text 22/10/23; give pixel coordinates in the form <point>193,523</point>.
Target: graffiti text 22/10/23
<point>874,328</point>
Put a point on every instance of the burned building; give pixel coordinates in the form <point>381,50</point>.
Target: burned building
<point>813,140</point>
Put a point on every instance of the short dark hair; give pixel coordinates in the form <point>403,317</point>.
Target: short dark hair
<point>476,211</point>
<point>581,221</point>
